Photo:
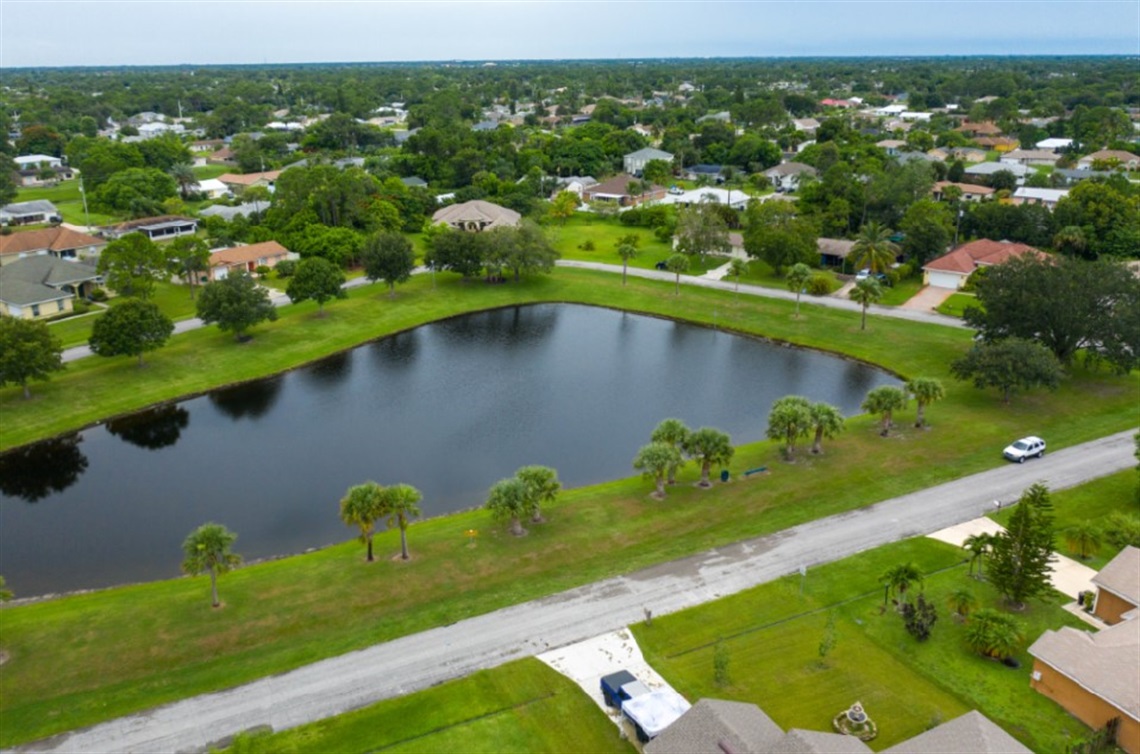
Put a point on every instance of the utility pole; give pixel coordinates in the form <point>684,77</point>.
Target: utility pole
<point>83,193</point>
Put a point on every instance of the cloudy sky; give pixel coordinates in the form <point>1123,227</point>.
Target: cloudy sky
<point>149,32</point>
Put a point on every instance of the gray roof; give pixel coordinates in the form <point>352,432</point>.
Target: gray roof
<point>714,726</point>
<point>413,180</point>
<point>477,212</point>
<point>229,213</point>
<point>989,168</point>
<point>33,280</point>
<point>972,733</point>
<point>790,168</point>
<point>649,153</point>
<point>30,208</point>
<point>1122,575</point>
<point>798,741</point>
<point>1079,174</point>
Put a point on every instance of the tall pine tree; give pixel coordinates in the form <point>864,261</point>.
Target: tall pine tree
<point>1019,564</point>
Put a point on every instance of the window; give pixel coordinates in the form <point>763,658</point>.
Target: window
<point>60,304</point>
<point>35,310</point>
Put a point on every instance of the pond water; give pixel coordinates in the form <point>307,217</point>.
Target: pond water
<point>450,408</point>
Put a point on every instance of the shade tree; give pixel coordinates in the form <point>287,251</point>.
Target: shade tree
<point>316,279</point>
<point>1010,364</point>
<point>130,328</point>
<point>508,500</point>
<point>235,304</point>
<point>542,487</point>
<point>388,256</point>
<point>28,351</point>
<point>131,265</point>
<point>1022,553</point>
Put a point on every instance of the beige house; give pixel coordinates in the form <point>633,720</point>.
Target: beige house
<point>970,191</point>
<point>476,215</point>
<point>41,287</point>
<point>1126,160</point>
<point>1118,587</point>
<point>247,259</point>
<point>59,242</point>
<point>951,270</point>
<point>239,182</point>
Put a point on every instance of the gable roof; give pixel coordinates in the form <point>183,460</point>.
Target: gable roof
<point>972,733</point>
<point>966,188</point>
<point>34,280</point>
<point>1098,662</point>
<point>1112,154</point>
<point>1122,575</point>
<point>50,239</point>
<point>486,214</point>
<point>797,741</point>
<point>249,253</point>
<point>790,168</point>
<point>649,153</point>
<point>248,179</point>
<point>617,186</point>
<point>983,252</point>
<point>714,726</point>
<point>834,247</point>
<point>34,207</point>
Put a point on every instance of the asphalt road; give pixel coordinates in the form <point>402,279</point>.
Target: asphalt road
<point>415,662</point>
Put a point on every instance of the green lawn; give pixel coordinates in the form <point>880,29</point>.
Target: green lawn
<point>524,706</point>
<point>761,273</point>
<point>172,299</point>
<point>66,197</point>
<point>1090,502</point>
<point>204,172</point>
<point>956,304</point>
<point>86,658</point>
<point>772,634</point>
<point>901,292</point>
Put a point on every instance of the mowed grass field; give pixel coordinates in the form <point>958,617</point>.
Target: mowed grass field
<point>523,706</point>
<point>81,659</point>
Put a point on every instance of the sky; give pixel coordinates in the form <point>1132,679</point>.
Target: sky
<point>170,32</point>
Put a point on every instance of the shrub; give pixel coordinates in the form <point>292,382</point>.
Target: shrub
<point>1122,529</point>
<point>586,246</point>
<point>818,284</point>
<point>664,233</point>
<point>262,270</point>
<point>285,268</point>
<point>98,294</point>
<point>919,618</point>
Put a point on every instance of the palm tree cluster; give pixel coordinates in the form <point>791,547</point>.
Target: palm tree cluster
<point>671,441</point>
<point>365,504</point>
<point>794,416</point>
<point>523,495</point>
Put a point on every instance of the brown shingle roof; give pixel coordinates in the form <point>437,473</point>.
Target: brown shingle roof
<point>485,215</point>
<point>248,179</point>
<point>52,239</point>
<point>967,188</point>
<point>1104,663</point>
<point>250,253</point>
<point>1122,575</point>
<point>968,257</point>
<point>617,186</point>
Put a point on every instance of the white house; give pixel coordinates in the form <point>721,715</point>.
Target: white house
<point>35,161</point>
<point>213,188</point>
<point>733,198</point>
<point>786,177</point>
<point>635,162</point>
<point>1046,196</point>
<point>1055,145</point>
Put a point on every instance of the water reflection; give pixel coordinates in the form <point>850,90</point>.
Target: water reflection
<point>249,401</point>
<point>151,429</point>
<point>328,371</point>
<point>36,471</point>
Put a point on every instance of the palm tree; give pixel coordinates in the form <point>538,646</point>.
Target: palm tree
<point>884,401</point>
<point>797,279</point>
<point>978,545</point>
<point>1083,538</point>
<point>709,446</point>
<point>401,501</point>
<point>542,487</point>
<point>898,579</point>
<point>361,506</point>
<point>925,390</point>
<point>183,175</point>
<point>626,251</point>
<point>674,433</point>
<point>677,264</point>
<point>1071,241</point>
<point>736,269</point>
<point>789,419</point>
<point>208,549</point>
<point>655,460</point>
<point>961,601</point>
<point>993,634</point>
<point>866,292</point>
<point>508,499</point>
<point>827,421</point>
<point>873,248</point>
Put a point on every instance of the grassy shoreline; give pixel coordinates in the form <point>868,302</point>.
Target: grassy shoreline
<point>79,660</point>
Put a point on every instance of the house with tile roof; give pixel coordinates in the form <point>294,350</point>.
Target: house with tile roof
<point>246,258</point>
<point>1094,676</point>
<point>476,215</point>
<point>239,182</point>
<point>617,190</point>
<point>951,270</point>
<point>970,192</point>
<point>40,287</point>
<point>59,242</point>
<point>1125,160</point>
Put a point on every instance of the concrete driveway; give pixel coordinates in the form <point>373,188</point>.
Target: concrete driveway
<point>927,299</point>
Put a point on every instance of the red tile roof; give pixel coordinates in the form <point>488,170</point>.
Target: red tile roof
<point>246,254</point>
<point>51,239</point>
<point>981,253</point>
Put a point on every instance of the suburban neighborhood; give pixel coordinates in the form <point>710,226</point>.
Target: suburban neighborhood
<point>309,299</point>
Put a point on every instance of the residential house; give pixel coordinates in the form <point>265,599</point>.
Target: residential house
<point>708,194</point>
<point>951,270</point>
<point>985,128</point>
<point>39,287</point>
<point>889,111</point>
<point>1072,176</point>
<point>239,182</point>
<point>1054,144</point>
<point>212,188</point>
<point>998,143</point>
<point>1046,196</point>
<point>786,176</point>
<point>157,228</point>
<point>904,157</point>
<point>715,726</point>
<point>708,172</point>
<point>229,213</point>
<point>1110,157</point>
<point>724,116</point>
<point>1118,587</point>
<point>158,128</point>
<point>58,242</point>
<point>575,184</point>
<point>246,259</point>
<point>1030,157</point>
<point>616,190</point>
<point>1094,675</point>
<point>807,125</point>
<point>29,213</point>
<point>634,162</point>
<point>476,215</point>
<point>645,131</point>
<point>829,102</point>
<point>970,192</point>
<point>965,154</point>
<point>893,147</point>
<point>413,181</point>
<point>206,146</point>
<point>37,161</point>
<point>833,252</point>
<point>32,178</point>
<point>987,170</point>
<point>224,156</point>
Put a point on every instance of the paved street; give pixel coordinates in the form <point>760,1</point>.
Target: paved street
<point>421,660</point>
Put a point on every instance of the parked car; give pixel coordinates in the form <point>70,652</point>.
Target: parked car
<point>676,190</point>
<point>865,273</point>
<point>1026,447</point>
